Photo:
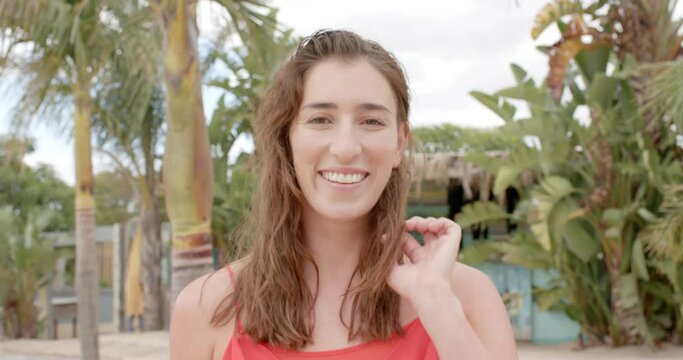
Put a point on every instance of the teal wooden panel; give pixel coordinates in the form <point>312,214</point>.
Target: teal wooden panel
<point>551,327</point>
<point>514,284</point>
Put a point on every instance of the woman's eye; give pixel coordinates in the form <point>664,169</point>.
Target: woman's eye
<point>373,122</point>
<point>319,120</point>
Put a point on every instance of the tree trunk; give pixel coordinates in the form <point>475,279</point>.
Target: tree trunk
<point>187,170</point>
<point>151,266</point>
<point>151,231</point>
<point>87,284</point>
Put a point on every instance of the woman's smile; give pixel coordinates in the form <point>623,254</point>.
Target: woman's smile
<point>345,177</point>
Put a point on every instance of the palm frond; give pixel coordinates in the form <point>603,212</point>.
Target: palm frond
<point>664,237</point>
<point>664,95</point>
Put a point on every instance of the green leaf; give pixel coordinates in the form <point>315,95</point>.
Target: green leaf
<point>549,298</point>
<point>592,62</point>
<point>523,91</point>
<point>578,95</point>
<point>509,110</point>
<point>506,112</point>
<point>519,73</point>
<point>638,260</point>
<point>601,91</point>
<point>478,252</point>
<point>628,103</point>
<point>613,232</point>
<point>507,175</point>
<point>674,274</point>
<point>523,250</point>
<point>541,232</point>
<point>613,216</point>
<point>647,215</point>
<point>557,187</point>
<point>631,315</point>
<point>579,241</point>
<point>658,289</point>
<point>480,212</point>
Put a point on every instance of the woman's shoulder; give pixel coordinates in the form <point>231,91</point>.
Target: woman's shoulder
<point>484,309</point>
<point>474,288</point>
<point>207,291</point>
<point>191,331</point>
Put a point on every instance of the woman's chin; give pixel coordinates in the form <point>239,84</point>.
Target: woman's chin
<point>342,215</point>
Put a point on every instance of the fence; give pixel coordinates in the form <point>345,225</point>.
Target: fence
<point>113,247</point>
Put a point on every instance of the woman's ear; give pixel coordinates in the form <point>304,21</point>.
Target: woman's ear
<point>403,138</point>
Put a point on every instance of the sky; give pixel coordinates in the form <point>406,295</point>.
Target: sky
<point>448,49</point>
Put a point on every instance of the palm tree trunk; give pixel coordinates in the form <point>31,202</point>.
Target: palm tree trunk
<point>187,170</point>
<point>151,230</point>
<point>87,286</point>
<point>151,266</point>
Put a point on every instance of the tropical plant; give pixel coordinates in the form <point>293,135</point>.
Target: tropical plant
<point>32,200</point>
<point>596,213</point>
<point>69,44</point>
<point>26,265</point>
<point>250,67</point>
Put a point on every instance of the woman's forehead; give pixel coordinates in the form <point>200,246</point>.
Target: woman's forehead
<point>348,84</point>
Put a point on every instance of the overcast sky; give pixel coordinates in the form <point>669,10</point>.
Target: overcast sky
<point>447,47</point>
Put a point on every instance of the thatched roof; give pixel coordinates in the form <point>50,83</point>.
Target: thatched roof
<point>444,167</point>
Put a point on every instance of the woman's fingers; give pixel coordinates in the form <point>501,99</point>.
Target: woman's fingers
<point>431,225</point>
<point>417,224</point>
<point>411,248</point>
<point>423,224</point>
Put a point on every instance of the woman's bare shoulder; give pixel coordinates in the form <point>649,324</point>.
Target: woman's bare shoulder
<point>484,309</point>
<point>191,329</point>
<point>207,291</point>
<point>473,287</point>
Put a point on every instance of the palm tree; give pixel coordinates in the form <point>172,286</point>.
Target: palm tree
<point>187,169</point>
<point>70,44</point>
<point>132,144</point>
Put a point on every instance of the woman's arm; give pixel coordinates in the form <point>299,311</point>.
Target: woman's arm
<point>466,319</point>
<point>458,305</point>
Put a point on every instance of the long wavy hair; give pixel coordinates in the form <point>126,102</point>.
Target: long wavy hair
<point>270,297</point>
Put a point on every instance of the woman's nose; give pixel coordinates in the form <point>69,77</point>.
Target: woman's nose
<point>345,144</point>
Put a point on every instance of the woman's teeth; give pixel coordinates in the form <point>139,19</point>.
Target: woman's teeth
<point>343,178</point>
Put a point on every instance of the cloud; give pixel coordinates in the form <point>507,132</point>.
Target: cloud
<point>448,48</point>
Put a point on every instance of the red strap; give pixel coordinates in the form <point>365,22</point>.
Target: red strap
<point>232,282</point>
<point>232,275</point>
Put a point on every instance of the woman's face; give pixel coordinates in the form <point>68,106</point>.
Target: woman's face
<point>345,139</point>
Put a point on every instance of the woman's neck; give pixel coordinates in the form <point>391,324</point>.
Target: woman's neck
<point>335,247</point>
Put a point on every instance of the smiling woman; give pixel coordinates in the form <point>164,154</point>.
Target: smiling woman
<point>331,271</point>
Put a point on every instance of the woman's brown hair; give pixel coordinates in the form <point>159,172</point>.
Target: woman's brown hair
<point>274,302</point>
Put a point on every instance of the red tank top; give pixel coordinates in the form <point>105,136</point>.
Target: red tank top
<point>414,345</point>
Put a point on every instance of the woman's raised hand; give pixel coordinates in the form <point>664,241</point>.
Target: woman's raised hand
<point>431,265</point>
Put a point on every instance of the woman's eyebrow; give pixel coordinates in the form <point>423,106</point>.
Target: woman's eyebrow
<point>320,105</point>
<point>333,106</point>
<point>371,106</point>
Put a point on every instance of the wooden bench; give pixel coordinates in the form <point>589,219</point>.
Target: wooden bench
<point>64,307</point>
<point>62,300</point>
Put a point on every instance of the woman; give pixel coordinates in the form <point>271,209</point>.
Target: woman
<point>331,271</point>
